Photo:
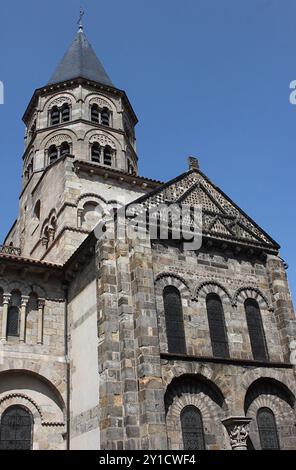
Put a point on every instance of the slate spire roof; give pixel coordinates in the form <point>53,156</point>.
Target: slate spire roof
<point>80,61</point>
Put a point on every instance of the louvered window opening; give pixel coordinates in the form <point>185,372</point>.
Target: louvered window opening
<point>16,429</point>
<point>13,321</point>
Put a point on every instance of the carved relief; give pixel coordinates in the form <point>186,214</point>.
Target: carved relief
<point>58,140</point>
<point>103,140</point>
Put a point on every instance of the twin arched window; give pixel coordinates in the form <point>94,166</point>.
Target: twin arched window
<point>101,155</point>
<point>59,115</point>
<point>55,152</point>
<point>100,116</point>
<point>267,429</point>
<point>192,429</point>
<point>16,429</point>
<point>174,320</point>
<point>256,331</point>
<point>217,326</point>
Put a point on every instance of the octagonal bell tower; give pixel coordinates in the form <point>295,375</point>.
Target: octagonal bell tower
<point>80,151</point>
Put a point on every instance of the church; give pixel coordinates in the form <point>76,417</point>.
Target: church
<point>126,343</point>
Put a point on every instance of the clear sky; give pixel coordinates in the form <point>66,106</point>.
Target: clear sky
<point>208,78</point>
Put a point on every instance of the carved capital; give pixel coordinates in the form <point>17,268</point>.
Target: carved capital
<point>238,431</point>
<point>6,298</point>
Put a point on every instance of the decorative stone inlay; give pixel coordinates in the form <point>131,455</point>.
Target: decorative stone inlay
<point>238,430</point>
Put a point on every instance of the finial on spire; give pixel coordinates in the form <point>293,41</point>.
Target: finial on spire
<point>81,15</point>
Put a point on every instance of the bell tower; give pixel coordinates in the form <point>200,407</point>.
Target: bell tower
<point>80,152</point>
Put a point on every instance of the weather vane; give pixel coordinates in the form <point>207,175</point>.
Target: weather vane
<point>81,15</point>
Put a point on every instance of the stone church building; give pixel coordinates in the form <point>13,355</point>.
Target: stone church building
<point>133,343</point>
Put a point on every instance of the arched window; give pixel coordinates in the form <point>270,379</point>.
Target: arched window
<point>16,429</point>
<point>37,209</point>
<point>96,152</point>
<point>54,116</point>
<point>217,326</point>
<point>13,315</point>
<point>192,429</point>
<point>52,153</point>
<point>65,149</point>
<point>174,320</point>
<point>95,113</point>
<point>107,155</point>
<point>65,112</point>
<point>256,331</point>
<point>267,430</point>
<point>105,117</point>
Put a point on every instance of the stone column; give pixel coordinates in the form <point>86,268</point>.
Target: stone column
<point>41,304</point>
<point>238,431</point>
<point>24,302</point>
<point>151,389</point>
<point>282,302</point>
<point>6,299</point>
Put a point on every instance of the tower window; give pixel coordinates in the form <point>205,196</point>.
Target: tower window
<point>96,152</point>
<point>52,153</point>
<point>256,331</point>
<point>107,155</point>
<point>65,149</point>
<point>105,117</point>
<point>174,320</point>
<point>95,113</point>
<point>267,429</point>
<point>16,429</point>
<point>130,168</point>
<point>217,326</point>
<point>37,209</point>
<point>54,116</point>
<point>65,113</point>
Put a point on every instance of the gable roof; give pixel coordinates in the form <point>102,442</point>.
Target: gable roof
<point>80,61</point>
<point>222,218</point>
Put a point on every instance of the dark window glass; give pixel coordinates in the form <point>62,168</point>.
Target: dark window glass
<point>65,149</point>
<point>192,429</point>
<point>16,429</point>
<point>107,155</point>
<point>174,320</point>
<point>95,113</point>
<point>96,153</point>
<point>105,117</point>
<point>267,429</point>
<point>52,153</point>
<point>65,113</point>
<point>256,331</point>
<point>55,116</point>
<point>217,326</point>
<point>13,321</point>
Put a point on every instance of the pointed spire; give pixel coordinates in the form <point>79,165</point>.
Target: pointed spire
<point>80,61</point>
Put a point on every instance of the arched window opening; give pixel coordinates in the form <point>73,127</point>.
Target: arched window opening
<point>33,129</point>
<point>52,153</point>
<point>16,429</point>
<point>13,315</point>
<point>54,116</point>
<point>95,113</point>
<point>96,152</point>
<point>30,168</point>
<point>192,429</point>
<point>130,168</point>
<point>267,430</point>
<point>217,326</point>
<point>105,117</point>
<point>65,113</point>
<point>174,320</point>
<point>65,149</point>
<point>37,209</point>
<point>107,155</point>
<point>256,331</point>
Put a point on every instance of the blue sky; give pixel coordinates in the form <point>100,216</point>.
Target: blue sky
<point>208,78</point>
